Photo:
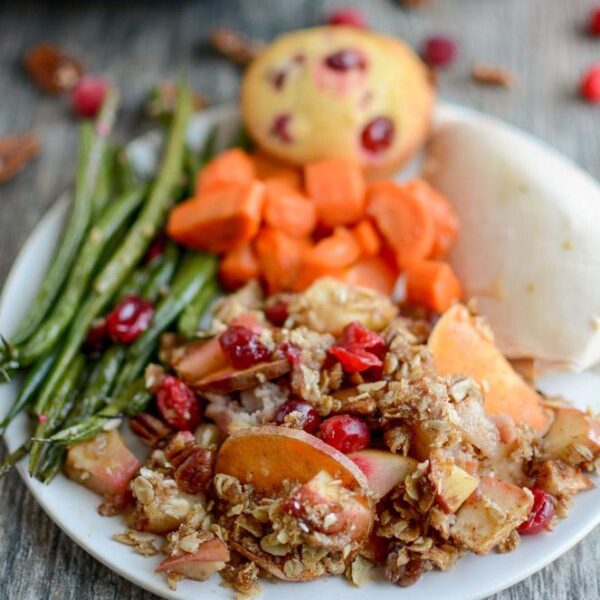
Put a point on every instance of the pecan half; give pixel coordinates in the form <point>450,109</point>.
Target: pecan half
<point>51,69</point>
<point>234,45</point>
<point>492,75</point>
<point>16,150</point>
<point>193,464</point>
<point>150,430</point>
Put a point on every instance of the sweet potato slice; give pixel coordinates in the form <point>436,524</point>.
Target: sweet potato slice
<point>196,360</point>
<point>460,347</point>
<point>228,379</point>
<point>269,455</point>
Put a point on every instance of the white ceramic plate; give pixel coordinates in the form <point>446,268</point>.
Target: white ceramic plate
<point>73,508</point>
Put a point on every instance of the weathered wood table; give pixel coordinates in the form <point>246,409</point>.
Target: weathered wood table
<point>139,43</point>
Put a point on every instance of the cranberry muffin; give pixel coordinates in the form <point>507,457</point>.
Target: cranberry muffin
<point>338,91</point>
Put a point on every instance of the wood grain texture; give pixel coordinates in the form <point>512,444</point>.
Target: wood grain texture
<point>138,43</point>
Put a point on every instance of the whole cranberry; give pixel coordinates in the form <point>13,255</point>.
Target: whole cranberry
<point>156,248</point>
<point>129,319</point>
<point>277,313</point>
<point>310,418</point>
<point>243,347</point>
<point>541,513</point>
<point>590,85</point>
<point>439,51</point>
<point>88,95</point>
<point>348,59</point>
<point>378,134</point>
<point>97,337</point>
<point>345,433</point>
<point>595,21</point>
<point>281,128</point>
<point>347,16</point>
<point>356,335</point>
<point>177,404</point>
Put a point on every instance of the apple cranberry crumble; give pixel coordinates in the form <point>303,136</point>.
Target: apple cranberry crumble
<point>325,433</point>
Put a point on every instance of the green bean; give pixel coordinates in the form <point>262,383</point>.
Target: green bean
<point>194,161</point>
<point>57,411</point>
<point>133,400</point>
<point>192,275</point>
<point>189,319</point>
<point>119,268</point>
<point>31,384</point>
<point>53,460</point>
<point>162,274</point>
<point>93,144</point>
<point>14,457</point>
<point>49,332</point>
<point>106,179</point>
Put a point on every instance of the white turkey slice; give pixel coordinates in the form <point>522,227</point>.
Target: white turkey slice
<point>529,248</point>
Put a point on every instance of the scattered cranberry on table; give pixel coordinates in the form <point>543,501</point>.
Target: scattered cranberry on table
<point>439,51</point>
<point>590,85</point>
<point>88,95</point>
<point>178,404</point>
<point>347,16</point>
<point>129,319</point>
<point>345,433</point>
<point>243,347</point>
<point>541,513</point>
<point>378,135</point>
<point>97,337</point>
<point>310,417</point>
<point>595,21</point>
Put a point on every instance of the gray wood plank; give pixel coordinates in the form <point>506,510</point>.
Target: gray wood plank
<point>139,43</point>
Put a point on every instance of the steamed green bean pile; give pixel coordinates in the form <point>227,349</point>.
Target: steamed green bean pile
<point>70,391</point>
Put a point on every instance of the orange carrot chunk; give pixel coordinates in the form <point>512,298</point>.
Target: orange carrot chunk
<point>328,257</point>
<point>403,220</point>
<point>337,186</point>
<point>232,166</point>
<point>237,267</point>
<point>219,220</point>
<point>432,284</point>
<point>267,167</point>
<point>373,273</point>
<point>288,210</point>
<point>367,237</point>
<point>445,219</point>
<point>279,258</point>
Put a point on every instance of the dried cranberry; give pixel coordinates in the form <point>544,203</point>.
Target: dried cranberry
<point>347,16</point>
<point>157,247</point>
<point>243,347</point>
<point>346,60</point>
<point>277,313</point>
<point>129,319</point>
<point>378,134</point>
<point>541,513</point>
<point>88,95</point>
<point>345,433</point>
<point>280,128</point>
<point>439,51</point>
<point>178,404</point>
<point>590,86</point>
<point>310,419</point>
<point>355,360</point>
<point>595,22</point>
<point>97,337</point>
<point>356,335</point>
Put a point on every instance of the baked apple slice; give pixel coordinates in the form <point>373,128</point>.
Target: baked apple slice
<point>490,514</point>
<point>453,485</point>
<point>574,437</point>
<point>210,557</point>
<point>228,379</point>
<point>384,470</point>
<point>104,464</point>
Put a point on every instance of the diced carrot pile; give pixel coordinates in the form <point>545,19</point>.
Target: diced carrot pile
<point>289,227</point>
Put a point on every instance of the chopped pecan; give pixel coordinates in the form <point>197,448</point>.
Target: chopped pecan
<point>492,75</point>
<point>51,69</point>
<point>150,429</point>
<point>193,464</point>
<point>234,45</point>
<point>16,150</point>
